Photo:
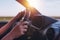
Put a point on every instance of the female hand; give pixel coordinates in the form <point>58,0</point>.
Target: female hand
<point>19,30</point>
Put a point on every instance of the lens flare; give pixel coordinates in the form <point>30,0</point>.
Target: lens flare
<point>32,2</point>
<point>35,3</point>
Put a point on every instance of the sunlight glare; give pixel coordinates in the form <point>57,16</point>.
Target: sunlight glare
<point>35,3</point>
<point>32,2</point>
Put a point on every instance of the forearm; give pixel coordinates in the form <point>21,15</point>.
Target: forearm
<point>14,33</point>
<point>5,27</point>
<point>8,25</point>
<point>9,36</point>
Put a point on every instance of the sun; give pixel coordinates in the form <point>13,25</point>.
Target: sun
<point>35,3</point>
<point>32,2</point>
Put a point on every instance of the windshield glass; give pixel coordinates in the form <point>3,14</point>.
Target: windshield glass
<point>46,7</point>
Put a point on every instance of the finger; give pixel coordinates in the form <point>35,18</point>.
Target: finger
<point>25,26</point>
<point>25,22</point>
<point>23,31</point>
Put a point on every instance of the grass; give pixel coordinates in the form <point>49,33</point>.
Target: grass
<point>5,18</point>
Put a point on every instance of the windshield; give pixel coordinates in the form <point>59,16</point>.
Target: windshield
<point>46,7</point>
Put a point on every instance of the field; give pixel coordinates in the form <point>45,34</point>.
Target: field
<point>5,18</point>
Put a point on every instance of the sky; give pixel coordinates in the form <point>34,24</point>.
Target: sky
<point>46,7</point>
